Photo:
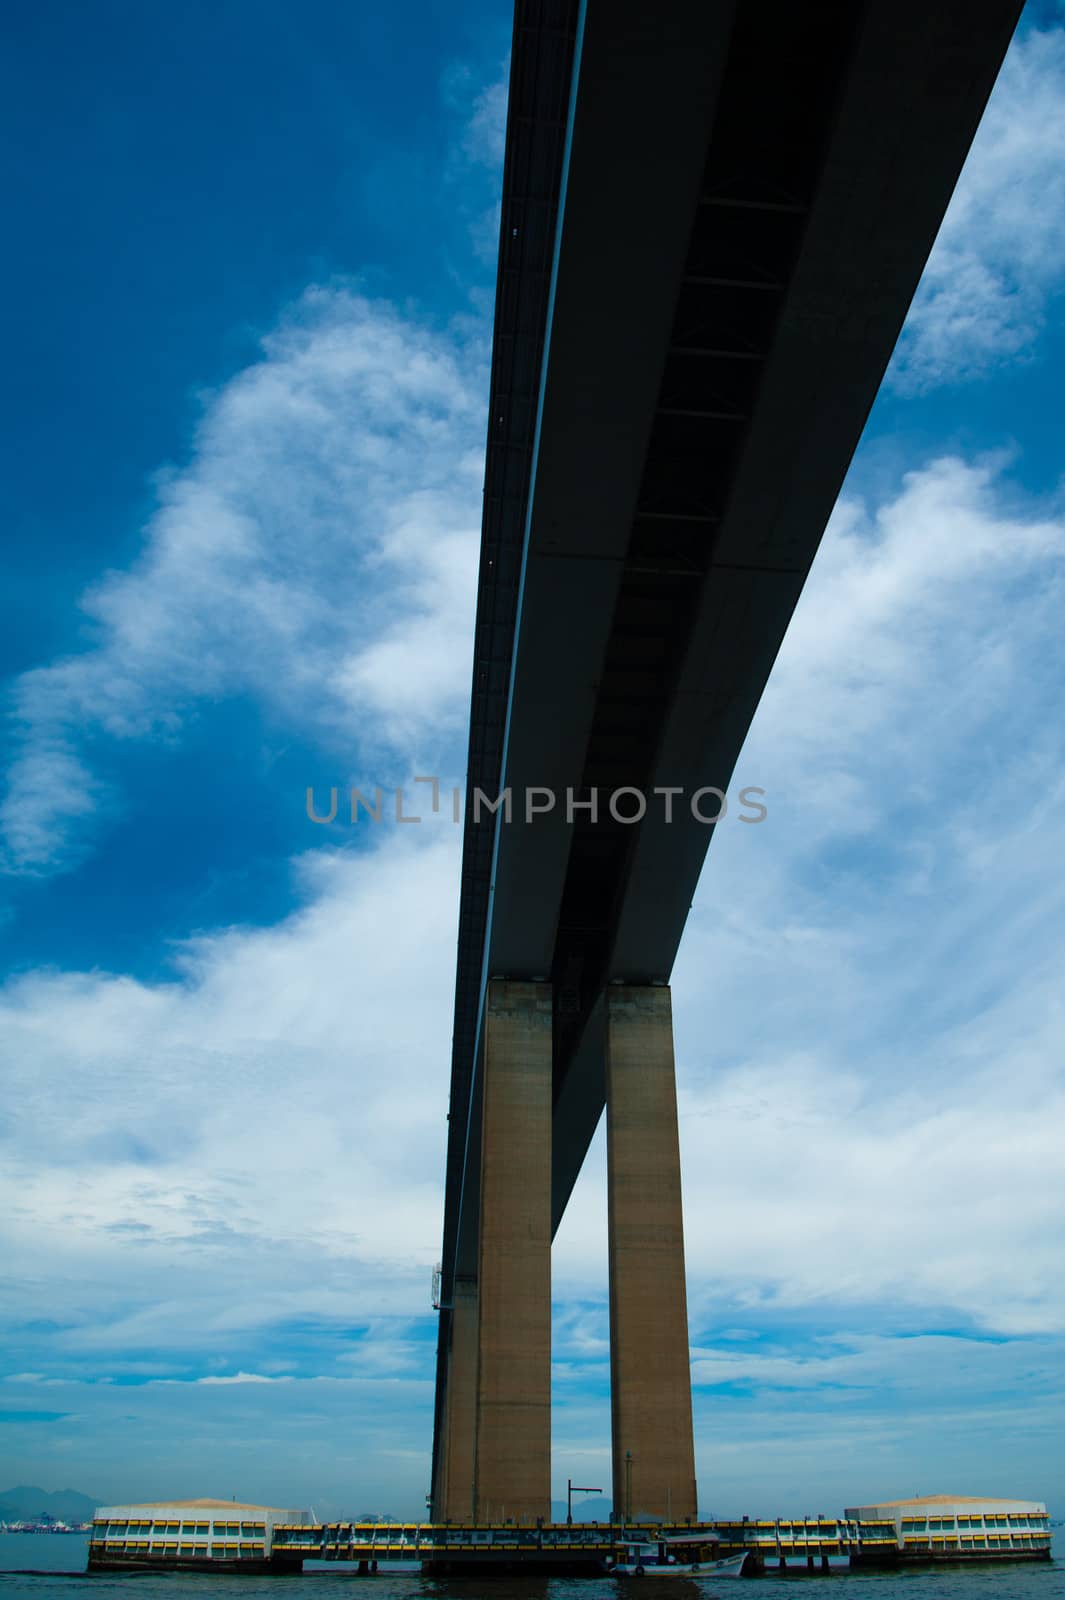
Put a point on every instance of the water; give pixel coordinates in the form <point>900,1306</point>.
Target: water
<point>44,1566</point>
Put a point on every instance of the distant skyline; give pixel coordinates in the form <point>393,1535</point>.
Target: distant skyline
<point>252,279</point>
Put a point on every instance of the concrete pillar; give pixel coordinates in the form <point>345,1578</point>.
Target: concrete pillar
<point>513,1463</point>
<point>650,1376</point>
<point>460,1423</point>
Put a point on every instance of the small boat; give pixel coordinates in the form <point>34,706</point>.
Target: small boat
<point>654,1560</point>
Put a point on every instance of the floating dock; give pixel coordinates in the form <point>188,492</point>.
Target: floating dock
<point>216,1536</point>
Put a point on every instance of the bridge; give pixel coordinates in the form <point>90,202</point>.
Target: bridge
<point>715,214</point>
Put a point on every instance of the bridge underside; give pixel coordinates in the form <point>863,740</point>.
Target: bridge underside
<point>714,218</point>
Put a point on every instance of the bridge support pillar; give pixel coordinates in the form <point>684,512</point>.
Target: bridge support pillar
<point>650,1375</point>
<point>456,1489</point>
<point>513,1441</point>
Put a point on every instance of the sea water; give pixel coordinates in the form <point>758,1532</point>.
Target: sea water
<point>42,1566</point>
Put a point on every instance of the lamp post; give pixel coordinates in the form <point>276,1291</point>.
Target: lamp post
<point>628,1486</point>
<point>570,1488</point>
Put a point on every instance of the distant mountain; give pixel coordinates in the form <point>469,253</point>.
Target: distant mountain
<point>594,1509</point>
<point>28,1503</point>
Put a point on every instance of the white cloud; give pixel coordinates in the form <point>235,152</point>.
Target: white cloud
<point>160,1137</point>
<point>51,791</point>
<point>870,1032</point>
<point>1000,252</point>
<point>246,1377</point>
<point>869,1015</point>
<point>486,130</point>
<point>318,552</point>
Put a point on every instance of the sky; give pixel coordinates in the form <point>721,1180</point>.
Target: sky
<point>249,291</point>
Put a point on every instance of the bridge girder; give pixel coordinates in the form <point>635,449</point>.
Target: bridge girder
<point>714,219</point>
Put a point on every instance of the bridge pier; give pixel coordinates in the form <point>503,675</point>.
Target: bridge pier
<point>454,1494</point>
<point>512,1457</point>
<point>650,1375</point>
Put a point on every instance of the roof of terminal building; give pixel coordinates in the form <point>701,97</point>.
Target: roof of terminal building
<point>950,1500</point>
<point>199,1505</point>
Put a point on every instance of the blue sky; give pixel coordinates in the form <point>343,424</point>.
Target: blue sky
<point>250,327</point>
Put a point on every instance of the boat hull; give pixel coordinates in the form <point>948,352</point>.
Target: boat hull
<point>729,1567</point>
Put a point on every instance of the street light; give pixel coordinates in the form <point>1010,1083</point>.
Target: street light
<point>570,1487</point>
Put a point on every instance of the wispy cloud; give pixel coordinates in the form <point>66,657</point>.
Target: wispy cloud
<point>485,133</point>
<point>1000,254</point>
<point>348,1445</point>
<point>478,153</point>
<point>941,1369</point>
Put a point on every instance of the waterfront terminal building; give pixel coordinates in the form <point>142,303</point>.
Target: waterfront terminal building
<point>954,1526</point>
<point>219,1534</point>
<point>225,1536</point>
